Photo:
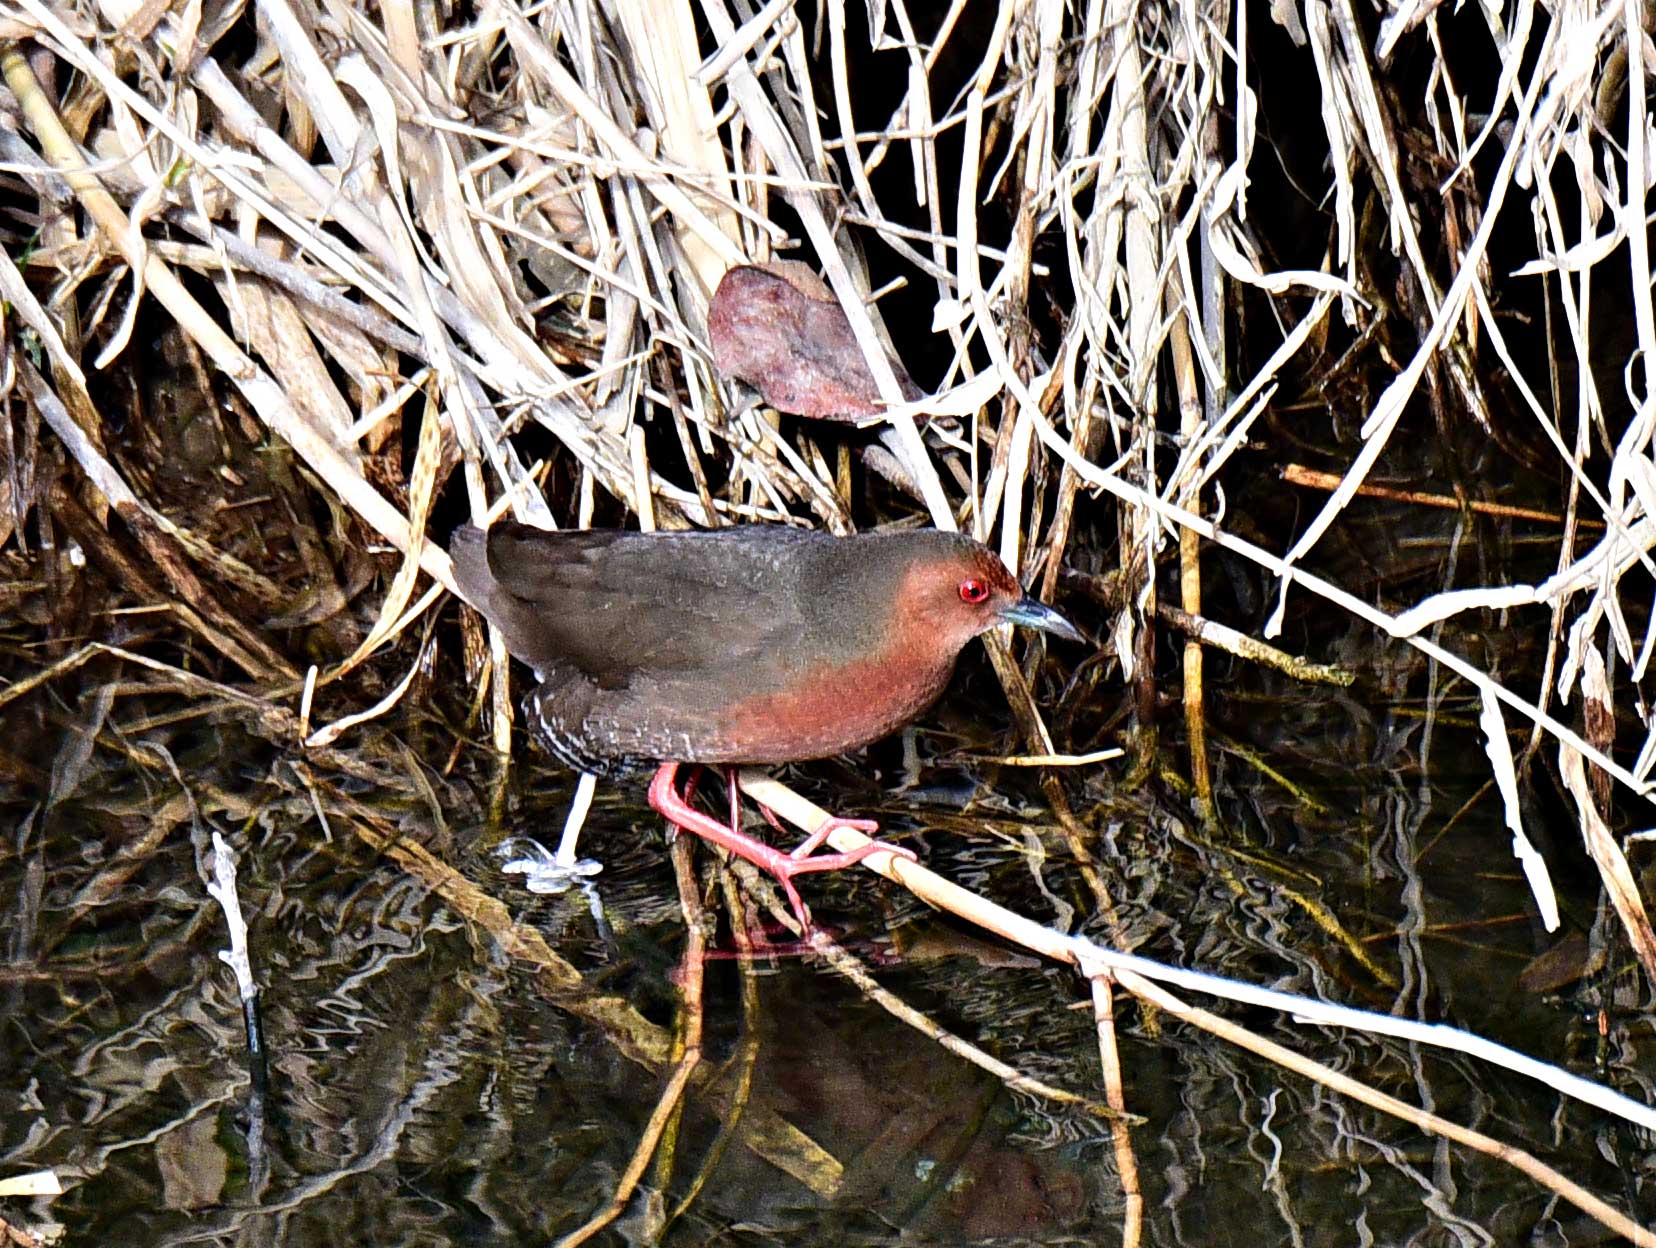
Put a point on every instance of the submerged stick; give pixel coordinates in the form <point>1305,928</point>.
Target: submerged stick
<point>1091,958</point>
<point>222,889</point>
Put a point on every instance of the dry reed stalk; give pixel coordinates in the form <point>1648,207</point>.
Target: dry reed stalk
<point>520,213</point>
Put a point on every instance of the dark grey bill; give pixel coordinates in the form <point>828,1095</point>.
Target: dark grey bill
<point>1032,614</point>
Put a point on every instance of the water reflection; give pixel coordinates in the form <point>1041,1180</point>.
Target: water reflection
<point>457,1060</point>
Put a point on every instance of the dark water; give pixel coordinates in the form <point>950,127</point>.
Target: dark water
<point>435,1080</point>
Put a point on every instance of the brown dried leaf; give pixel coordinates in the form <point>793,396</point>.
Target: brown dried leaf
<point>1563,964</point>
<point>777,332</point>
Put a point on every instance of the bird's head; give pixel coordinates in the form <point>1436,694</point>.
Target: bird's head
<point>961,588</point>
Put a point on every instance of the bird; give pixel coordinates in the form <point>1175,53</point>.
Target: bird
<point>746,645</point>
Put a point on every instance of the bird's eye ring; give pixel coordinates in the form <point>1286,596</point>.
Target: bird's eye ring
<point>973,591</point>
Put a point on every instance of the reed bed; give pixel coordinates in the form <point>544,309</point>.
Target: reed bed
<point>458,260</point>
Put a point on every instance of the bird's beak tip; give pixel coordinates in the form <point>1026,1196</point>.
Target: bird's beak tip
<point>1032,613</point>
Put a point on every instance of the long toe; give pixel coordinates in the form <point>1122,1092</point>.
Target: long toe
<point>838,861</point>
<point>826,828</point>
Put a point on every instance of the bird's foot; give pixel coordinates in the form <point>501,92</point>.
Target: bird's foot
<point>830,825</point>
<point>665,799</point>
<point>806,849</point>
<point>803,859</point>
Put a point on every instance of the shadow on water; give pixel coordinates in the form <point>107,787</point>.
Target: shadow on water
<point>433,1081</point>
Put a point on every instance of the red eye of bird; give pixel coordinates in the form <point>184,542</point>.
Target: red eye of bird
<point>973,591</point>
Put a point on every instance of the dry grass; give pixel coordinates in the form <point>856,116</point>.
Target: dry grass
<point>374,218</point>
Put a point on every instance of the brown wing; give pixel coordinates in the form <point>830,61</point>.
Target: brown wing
<point>612,603</point>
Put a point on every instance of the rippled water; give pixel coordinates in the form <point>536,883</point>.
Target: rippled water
<point>439,1075</point>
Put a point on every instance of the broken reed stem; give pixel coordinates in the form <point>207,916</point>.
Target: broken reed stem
<point>1311,478</point>
<point>1109,1054</point>
<point>1221,637</point>
<point>1190,558</point>
<point>1121,1137</point>
<point>746,1058</point>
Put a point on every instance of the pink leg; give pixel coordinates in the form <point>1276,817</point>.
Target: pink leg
<point>664,798</point>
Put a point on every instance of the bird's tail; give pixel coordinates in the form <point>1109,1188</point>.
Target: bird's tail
<point>469,548</point>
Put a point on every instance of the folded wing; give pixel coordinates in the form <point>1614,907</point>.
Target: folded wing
<point>611,604</point>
